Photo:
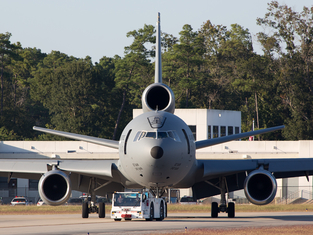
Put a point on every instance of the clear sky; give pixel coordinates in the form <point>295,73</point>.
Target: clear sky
<point>98,28</point>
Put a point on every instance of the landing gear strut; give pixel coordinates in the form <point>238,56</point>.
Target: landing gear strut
<point>230,208</point>
<point>91,207</point>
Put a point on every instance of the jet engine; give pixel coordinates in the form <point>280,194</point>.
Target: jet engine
<point>260,187</point>
<point>158,96</point>
<point>54,187</point>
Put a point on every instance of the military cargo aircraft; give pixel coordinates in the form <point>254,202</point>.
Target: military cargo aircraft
<point>157,151</point>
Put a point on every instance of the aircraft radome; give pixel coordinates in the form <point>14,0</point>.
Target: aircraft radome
<point>157,151</point>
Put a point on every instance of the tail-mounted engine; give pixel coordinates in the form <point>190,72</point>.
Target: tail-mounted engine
<point>260,187</point>
<point>54,187</point>
<point>158,96</point>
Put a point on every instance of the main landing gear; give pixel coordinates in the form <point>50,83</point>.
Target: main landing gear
<point>230,208</point>
<point>90,206</point>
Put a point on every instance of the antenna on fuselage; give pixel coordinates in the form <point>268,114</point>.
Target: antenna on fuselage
<point>158,63</point>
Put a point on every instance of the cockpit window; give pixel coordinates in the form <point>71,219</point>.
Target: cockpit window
<point>151,135</point>
<point>142,134</point>
<point>173,135</point>
<point>162,135</point>
<point>156,135</point>
<point>170,134</point>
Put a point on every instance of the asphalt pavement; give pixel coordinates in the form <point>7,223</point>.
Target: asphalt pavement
<point>74,224</point>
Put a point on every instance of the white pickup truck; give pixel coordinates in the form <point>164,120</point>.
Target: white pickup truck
<point>136,205</point>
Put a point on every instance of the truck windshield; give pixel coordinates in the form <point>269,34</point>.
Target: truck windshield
<point>127,199</point>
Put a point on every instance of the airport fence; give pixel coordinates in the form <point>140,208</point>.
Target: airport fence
<point>301,195</point>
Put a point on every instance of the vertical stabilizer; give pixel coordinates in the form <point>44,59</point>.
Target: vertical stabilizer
<point>158,63</point>
<point>158,96</point>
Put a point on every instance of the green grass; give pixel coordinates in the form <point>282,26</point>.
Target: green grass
<point>25,210</point>
<point>240,208</point>
<point>277,208</point>
<point>172,208</point>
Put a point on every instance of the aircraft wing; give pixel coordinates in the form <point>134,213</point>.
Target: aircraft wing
<point>80,172</point>
<point>36,167</point>
<point>282,168</point>
<point>32,169</point>
<point>90,139</point>
<point>235,172</point>
<point>209,142</point>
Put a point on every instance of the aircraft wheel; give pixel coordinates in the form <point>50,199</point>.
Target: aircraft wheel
<point>161,212</point>
<point>231,210</point>
<point>85,210</point>
<point>214,210</point>
<point>151,212</point>
<point>101,210</point>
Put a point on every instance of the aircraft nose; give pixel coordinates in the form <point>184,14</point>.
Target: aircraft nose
<point>156,152</point>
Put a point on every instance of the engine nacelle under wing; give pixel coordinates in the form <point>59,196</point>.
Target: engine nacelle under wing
<point>260,187</point>
<point>158,96</point>
<point>54,187</point>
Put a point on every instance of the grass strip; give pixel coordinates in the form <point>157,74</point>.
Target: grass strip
<point>172,208</point>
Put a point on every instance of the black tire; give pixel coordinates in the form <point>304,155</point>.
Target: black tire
<point>165,207</point>
<point>161,212</point>
<point>151,212</point>
<point>214,210</point>
<point>85,210</point>
<point>231,210</point>
<point>101,210</point>
<point>117,219</point>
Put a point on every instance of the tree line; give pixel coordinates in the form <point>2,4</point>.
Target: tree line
<point>213,67</point>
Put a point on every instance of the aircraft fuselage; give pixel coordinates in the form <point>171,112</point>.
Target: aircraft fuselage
<point>156,149</point>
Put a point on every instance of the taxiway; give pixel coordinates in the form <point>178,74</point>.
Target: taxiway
<point>74,224</point>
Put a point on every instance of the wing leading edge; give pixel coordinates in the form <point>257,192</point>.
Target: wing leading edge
<point>105,142</point>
